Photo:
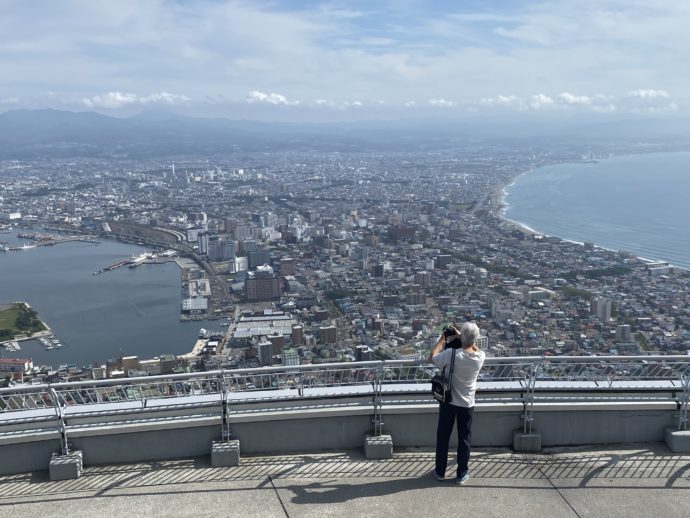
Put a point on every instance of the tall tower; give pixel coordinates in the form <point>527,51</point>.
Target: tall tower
<point>601,307</point>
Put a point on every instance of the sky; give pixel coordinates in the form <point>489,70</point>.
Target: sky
<point>327,61</point>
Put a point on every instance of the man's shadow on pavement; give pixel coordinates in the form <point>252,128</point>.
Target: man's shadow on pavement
<point>325,493</point>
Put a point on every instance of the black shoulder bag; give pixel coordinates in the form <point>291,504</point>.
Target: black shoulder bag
<point>441,385</point>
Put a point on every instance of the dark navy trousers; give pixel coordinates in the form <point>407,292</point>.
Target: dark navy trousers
<point>447,415</point>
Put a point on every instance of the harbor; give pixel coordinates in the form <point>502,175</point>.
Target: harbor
<point>134,311</point>
<point>50,342</point>
<point>37,240</point>
<point>140,259</point>
<point>18,346</point>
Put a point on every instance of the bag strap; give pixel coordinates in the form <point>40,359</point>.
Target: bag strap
<point>452,365</point>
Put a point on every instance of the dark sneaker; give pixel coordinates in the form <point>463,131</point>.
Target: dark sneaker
<point>462,480</point>
<point>438,477</point>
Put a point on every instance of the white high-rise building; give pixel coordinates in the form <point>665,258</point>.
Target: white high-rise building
<point>601,308</point>
<point>290,357</point>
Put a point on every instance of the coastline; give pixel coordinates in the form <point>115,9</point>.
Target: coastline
<point>500,206</point>
<point>33,336</point>
<point>88,313</point>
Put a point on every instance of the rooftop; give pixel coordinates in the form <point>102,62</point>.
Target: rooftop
<point>639,480</point>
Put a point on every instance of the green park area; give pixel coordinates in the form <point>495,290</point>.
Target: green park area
<point>18,319</point>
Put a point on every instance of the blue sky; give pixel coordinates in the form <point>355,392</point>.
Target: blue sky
<point>312,60</point>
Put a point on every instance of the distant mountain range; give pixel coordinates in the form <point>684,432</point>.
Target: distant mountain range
<point>55,133</point>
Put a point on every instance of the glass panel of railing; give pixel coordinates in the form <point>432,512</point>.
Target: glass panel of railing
<point>506,371</point>
<point>610,369</point>
<point>25,401</point>
<point>137,390</point>
<point>345,375</point>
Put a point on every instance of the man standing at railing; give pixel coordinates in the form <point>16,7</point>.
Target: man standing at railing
<point>468,362</point>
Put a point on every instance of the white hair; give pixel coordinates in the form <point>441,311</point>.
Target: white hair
<point>469,333</point>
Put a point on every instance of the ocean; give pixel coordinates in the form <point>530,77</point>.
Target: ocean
<point>636,203</point>
<point>125,311</point>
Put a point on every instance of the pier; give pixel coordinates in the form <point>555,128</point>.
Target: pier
<point>112,267</point>
<point>144,258</point>
<point>37,240</point>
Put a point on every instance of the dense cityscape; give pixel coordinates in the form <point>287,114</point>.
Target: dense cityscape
<point>306,257</point>
<point>344,258</point>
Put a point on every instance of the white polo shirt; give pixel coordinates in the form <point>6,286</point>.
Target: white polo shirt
<point>465,372</point>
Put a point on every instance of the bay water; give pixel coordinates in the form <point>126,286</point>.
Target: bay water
<point>636,203</point>
<point>130,311</point>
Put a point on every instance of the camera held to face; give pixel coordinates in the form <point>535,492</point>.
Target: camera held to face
<point>449,331</point>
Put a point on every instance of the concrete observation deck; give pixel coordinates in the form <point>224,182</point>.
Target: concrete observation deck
<point>599,436</point>
<point>634,481</point>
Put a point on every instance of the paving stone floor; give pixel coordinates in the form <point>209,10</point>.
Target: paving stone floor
<point>636,480</point>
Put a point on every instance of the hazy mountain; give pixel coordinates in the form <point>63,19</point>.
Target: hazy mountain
<point>54,133</point>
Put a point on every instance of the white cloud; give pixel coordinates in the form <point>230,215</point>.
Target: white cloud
<point>598,103</point>
<point>164,98</point>
<point>605,108</point>
<point>537,101</point>
<point>649,100</point>
<point>273,98</point>
<point>115,100</point>
<point>403,53</point>
<point>649,94</point>
<point>110,100</point>
<point>9,100</point>
<point>502,100</point>
<point>570,99</point>
<point>441,103</point>
<point>525,33</point>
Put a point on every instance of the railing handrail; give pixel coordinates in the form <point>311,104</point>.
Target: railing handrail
<point>300,369</point>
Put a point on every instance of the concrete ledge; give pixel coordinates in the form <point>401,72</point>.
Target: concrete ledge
<point>432,408</point>
<point>526,442</point>
<point>66,467</point>
<point>81,416</point>
<point>378,447</point>
<point>290,414</point>
<point>603,406</point>
<point>225,453</point>
<point>20,436</point>
<point>123,427</point>
<point>678,441</point>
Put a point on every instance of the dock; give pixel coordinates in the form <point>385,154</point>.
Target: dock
<point>37,240</point>
<point>112,267</point>
<point>196,350</point>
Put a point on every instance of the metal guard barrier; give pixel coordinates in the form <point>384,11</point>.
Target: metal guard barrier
<point>369,386</point>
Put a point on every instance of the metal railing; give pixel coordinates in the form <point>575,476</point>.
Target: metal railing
<point>685,399</point>
<point>525,378</point>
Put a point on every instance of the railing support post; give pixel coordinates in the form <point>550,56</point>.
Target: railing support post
<point>225,452</point>
<point>378,446</point>
<point>226,432</point>
<point>678,440</point>
<point>530,382</point>
<point>377,400</point>
<point>527,440</point>
<point>683,414</point>
<point>61,424</point>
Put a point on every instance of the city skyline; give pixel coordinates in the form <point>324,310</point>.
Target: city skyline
<point>314,61</point>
